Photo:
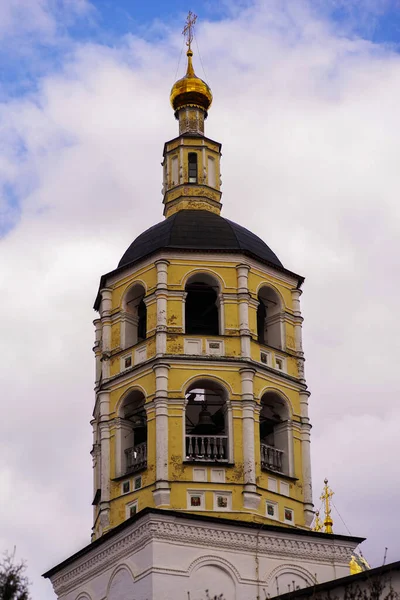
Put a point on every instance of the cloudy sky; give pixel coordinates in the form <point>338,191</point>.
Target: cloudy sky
<point>307,109</point>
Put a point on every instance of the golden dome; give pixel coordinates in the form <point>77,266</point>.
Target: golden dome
<point>190,90</point>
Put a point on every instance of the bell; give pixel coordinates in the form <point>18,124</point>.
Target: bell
<point>205,425</point>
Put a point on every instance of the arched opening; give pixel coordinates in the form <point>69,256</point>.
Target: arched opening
<point>206,422</point>
<point>274,434</point>
<point>201,306</point>
<point>269,318</point>
<point>192,167</point>
<point>134,322</point>
<point>133,433</point>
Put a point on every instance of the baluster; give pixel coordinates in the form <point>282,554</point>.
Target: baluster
<point>190,446</point>
<point>280,461</point>
<point>196,447</point>
<point>203,450</point>
<point>208,447</point>
<point>214,448</point>
<point>220,447</point>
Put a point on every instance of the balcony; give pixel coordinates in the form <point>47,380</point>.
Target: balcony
<point>136,458</point>
<point>207,448</point>
<point>271,458</point>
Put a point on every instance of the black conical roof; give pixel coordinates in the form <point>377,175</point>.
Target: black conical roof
<point>198,230</point>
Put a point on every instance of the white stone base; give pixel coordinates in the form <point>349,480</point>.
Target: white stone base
<point>162,497</point>
<point>164,555</point>
<point>251,500</point>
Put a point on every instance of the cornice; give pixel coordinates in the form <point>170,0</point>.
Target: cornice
<point>166,528</point>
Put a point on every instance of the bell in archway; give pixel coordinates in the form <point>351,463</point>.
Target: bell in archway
<point>205,425</point>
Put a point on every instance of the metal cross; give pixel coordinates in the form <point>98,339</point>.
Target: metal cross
<point>188,29</point>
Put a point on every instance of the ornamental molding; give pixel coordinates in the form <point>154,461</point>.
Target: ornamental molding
<point>164,528</point>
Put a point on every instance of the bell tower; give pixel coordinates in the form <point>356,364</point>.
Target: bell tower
<point>201,435</point>
<point>201,401</point>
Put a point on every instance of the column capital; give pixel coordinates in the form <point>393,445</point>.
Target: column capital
<point>161,261</point>
<point>243,267</point>
<point>297,292</point>
<point>249,404</point>
<point>160,366</point>
<point>247,370</point>
<point>105,292</point>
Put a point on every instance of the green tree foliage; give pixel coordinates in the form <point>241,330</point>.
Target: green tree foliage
<point>13,581</point>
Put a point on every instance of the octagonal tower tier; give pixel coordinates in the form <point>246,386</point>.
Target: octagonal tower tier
<point>201,401</point>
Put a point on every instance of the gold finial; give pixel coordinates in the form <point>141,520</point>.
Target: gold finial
<point>190,90</point>
<point>326,497</point>
<point>318,524</point>
<point>358,564</point>
<point>188,29</point>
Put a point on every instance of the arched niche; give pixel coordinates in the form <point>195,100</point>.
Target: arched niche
<point>214,579</point>
<point>121,586</point>
<point>270,324</point>
<point>275,434</point>
<point>288,578</point>
<point>202,305</point>
<point>131,434</point>
<point>207,422</point>
<point>134,316</point>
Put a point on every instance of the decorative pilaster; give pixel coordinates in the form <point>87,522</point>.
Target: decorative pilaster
<point>161,295</point>
<point>97,349</point>
<point>243,299</point>
<point>250,497</point>
<point>298,320</point>
<point>105,314</point>
<point>104,428</point>
<point>306,458</point>
<point>162,492</point>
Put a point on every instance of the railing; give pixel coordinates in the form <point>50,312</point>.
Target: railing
<point>136,457</point>
<point>271,458</point>
<point>207,447</point>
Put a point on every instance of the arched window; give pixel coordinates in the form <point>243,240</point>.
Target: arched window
<point>274,434</point>
<point>192,167</point>
<point>134,319</point>
<point>132,434</point>
<point>206,423</point>
<point>269,318</point>
<point>201,310</point>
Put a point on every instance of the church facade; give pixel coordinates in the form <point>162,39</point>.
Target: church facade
<point>201,435</point>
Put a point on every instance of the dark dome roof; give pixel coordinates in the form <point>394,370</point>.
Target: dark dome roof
<point>198,230</point>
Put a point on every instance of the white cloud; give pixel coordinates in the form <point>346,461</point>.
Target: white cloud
<point>39,17</point>
<point>308,122</point>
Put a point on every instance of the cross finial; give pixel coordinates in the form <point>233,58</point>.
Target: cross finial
<point>326,497</point>
<point>188,29</point>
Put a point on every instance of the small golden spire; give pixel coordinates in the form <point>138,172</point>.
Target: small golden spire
<point>326,497</point>
<point>318,524</point>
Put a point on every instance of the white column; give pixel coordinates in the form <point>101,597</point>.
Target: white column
<point>105,475</point>
<point>298,320</point>
<point>105,314</point>
<point>306,458</point>
<point>97,348</point>
<point>250,497</point>
<point>162,492</point>
<point>161,295</point>
<point>221,314</point>
<point>184,296</point>
<point>243,299</point>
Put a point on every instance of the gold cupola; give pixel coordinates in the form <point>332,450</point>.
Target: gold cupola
<point>190,96</point>
<point>190,90</point>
